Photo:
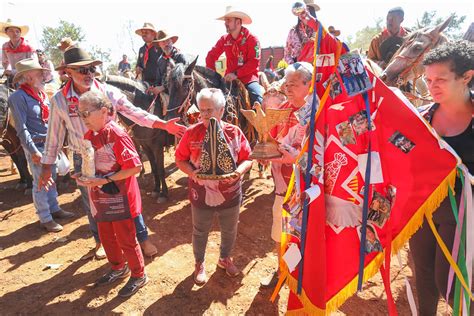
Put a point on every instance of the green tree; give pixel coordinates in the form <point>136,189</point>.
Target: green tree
<point>431,18</point>
<point>52,36</point>
<point>364,36</point>
<point>102,55</point>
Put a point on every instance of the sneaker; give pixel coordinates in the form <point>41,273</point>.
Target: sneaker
<point>62,214</point>
<point>132,286</point>
<point>112,276</point>
<point>270,281</point>
<point>200,277</point>
<point>228,266</point>
<point>148,248</point>
<point>52,226</point>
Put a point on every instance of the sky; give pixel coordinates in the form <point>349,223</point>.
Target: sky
<point>104,22</point>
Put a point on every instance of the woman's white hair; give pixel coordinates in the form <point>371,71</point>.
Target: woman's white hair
<point>304,69</point>
<point>213,94</point>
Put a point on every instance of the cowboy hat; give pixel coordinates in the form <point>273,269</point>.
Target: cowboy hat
<point>26,65</point>
<point>310,3</point>
<point>233,12</point>
<point>77,57</point>
<point>162,35</point>
<point>5,25</point>
<point>333,31</point>
<point>146,26</point>
<point>65,43</point>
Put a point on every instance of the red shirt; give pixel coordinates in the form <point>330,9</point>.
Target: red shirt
<point>213,193</point>
<point>114,151</point>
<point>242,54</point>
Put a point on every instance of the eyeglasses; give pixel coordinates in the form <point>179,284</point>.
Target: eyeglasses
<point>86,114</point>
<point>85,70</point>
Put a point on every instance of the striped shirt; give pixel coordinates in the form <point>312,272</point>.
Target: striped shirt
<point>63,117</point>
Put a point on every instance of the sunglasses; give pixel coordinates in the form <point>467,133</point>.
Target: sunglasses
<point>86,114</point>
<point>85,70</point>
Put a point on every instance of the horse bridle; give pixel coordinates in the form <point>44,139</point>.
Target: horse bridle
<point>187,100</point>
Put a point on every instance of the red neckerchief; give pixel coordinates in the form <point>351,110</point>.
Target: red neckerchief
<point>40,97</point>
<point>174,51</point>
<point>23,47</point>
<point>240,40</point>
<point>145,56</point>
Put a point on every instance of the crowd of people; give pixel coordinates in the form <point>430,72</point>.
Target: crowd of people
<point>84,111</point>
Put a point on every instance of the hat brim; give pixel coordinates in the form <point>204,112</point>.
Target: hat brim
<point>19,74</point>
<point>314,6</point>
<point>79,64</point>
<point>3,28</point>
<point>70,44</point>
<point>139,31</point>
<point>174,38</point>
<point>237,14</point>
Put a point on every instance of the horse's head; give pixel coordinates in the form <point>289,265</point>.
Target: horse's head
<point>180,85</point>
<point>406,63</point>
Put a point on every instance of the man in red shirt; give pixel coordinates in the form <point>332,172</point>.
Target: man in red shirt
<point>213,196</point>
<point>242,51</point>
<point>113,191</point>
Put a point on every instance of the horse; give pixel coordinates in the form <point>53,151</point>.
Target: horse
<point>152,141</point>
<point>185,81</point>
<point>406,64</point>
<point>10,141</point>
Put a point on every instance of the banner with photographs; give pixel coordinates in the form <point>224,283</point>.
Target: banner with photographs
<point>353,74</point>
<point>402,189</point>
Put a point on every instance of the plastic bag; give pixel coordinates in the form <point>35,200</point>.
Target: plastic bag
<point>63,164</point>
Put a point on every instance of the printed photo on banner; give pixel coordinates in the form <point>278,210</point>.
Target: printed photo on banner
<point>401,142</point>
<point>346,134</point>
<point>353,74</point>
<point>359,122</point>
<point>379,209</point>
<point>336,88</point>
<point>372,241</point>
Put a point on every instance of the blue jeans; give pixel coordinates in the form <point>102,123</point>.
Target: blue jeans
<point>255,92</point>
<point>202,222</point>
<point>141,230</point>
<point>46,202</point>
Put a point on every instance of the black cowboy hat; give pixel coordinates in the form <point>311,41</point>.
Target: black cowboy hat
<point>78,57</point>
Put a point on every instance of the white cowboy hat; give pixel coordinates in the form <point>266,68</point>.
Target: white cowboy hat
<point>310,3</point>
<point>26,65</point>
<point>163,35</point>
<point>146,26</point>
<point>65,43</point>
<point>5,25</point>
<point>233,12</point>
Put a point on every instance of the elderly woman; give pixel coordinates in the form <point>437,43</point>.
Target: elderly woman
<point>209,197</point>
<point>290,135</point>
<point>449,70</point>
<point>114,193</point>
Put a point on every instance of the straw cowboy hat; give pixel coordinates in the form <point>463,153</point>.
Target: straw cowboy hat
<point>5,25</point>
<point>77,57</point>
<point>146,26</point>
<point>25,65</point>
<point>163,35</point>
<point>310,3</point>
<point>333,31</point>
<point>233,12</point>
<point>65,43</point>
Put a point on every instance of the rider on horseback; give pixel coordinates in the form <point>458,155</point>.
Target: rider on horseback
<point>242,51</point>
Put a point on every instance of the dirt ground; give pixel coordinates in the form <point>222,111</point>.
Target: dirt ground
<point>28,286</point>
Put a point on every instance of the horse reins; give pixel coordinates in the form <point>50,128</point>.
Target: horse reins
<point>148,110</point>
<point>187,100</point>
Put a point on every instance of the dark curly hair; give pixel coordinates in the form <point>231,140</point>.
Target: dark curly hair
<point>460,54</point>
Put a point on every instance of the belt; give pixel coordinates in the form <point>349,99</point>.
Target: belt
<point>38,140</point>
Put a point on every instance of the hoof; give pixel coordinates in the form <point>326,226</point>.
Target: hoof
<point>154,194</point>
<point>162,199</point>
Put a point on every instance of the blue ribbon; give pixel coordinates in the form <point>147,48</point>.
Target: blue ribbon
<point>365,207</point>
<point>307,178</point>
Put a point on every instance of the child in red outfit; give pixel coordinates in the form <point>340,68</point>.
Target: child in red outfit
<point>114,193</point>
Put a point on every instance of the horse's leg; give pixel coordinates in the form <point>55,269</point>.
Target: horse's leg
<point>160,162</point>
<point>151,158</point>
<point>26,180</point>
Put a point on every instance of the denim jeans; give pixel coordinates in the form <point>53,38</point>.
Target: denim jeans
<point>141,230</point>
<point>255,92</point>
<point>202,221</point>
<point>46,202</point>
